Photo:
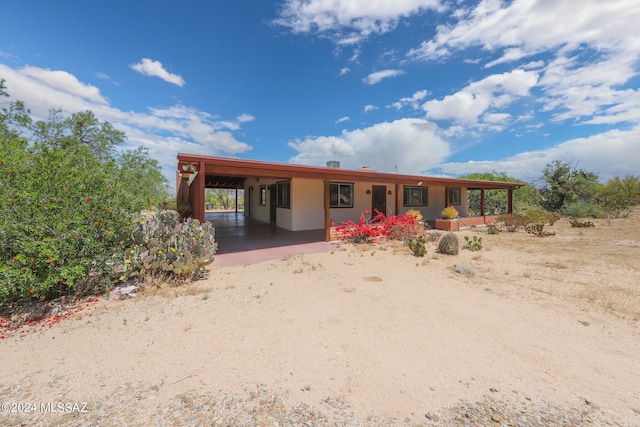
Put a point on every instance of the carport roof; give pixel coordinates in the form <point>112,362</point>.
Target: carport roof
<point>230,171</point>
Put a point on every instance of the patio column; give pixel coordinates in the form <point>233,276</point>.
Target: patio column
<point>510,201</point>
<point>397,199</point>
<point>482,202</point>
<point>236,199</point>
<point>196,193</point>
<point>327,211</point>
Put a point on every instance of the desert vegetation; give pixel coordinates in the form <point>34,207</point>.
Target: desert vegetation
<point>71,196</point>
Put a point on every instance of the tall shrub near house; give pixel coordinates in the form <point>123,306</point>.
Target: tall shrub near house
<point>67,202</point>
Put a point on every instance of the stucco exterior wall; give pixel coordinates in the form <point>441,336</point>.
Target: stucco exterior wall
<point>307,204</point>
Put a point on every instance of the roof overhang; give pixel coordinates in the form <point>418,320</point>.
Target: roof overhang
<point>228,171</point>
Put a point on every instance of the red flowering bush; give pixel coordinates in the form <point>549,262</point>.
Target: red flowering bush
<point>371,229</point>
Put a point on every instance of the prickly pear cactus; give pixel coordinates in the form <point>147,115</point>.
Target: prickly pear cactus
<point>164,244</point>
<point>449,244</point>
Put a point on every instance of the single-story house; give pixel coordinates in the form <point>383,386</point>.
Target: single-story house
<point>297,197</point>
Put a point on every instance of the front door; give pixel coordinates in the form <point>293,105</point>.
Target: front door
<point>272,204</point>
<point>378,199</point>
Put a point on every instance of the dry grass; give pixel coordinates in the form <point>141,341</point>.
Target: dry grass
<point>595,268</point>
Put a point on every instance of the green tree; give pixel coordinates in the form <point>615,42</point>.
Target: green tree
<point>496,200</point>
<point>68,201</point>
<point>565,184</point>
<point>618,195</point>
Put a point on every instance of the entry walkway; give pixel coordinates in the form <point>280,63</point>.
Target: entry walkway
<point>244,240</point>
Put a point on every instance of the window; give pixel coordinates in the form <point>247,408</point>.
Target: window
<point>341,195</point>
<point>453,195</point>
<point>415,196</point>
<point>283,197</point>
<point>263,195</point>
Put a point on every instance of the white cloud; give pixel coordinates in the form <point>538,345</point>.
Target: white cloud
<point>102,76</point>
<point>413,145</point>
<point>343,71</point>
<point>369,107</point>
<point>526,27</point>
<point>349,21</point>
<point>64,82</point>
<point>149,67</point>
<point>608,154</point>
<point>412,101</point>
<point>377,76</point>
<point>494,92</point>
<point>594,51</point>
<point>343,119</point>
<point>164,131</point>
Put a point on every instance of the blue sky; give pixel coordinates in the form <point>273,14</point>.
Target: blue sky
<point>419,86</point>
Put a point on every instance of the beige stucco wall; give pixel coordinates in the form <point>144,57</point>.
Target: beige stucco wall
<point>307,203</point>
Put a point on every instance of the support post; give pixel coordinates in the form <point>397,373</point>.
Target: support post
<point>236,199</point>
<point>397,199</point>
<point>510,201</point>
<point>327,211</point>
<point>482,203</point>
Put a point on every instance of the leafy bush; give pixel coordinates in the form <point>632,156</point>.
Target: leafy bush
<point>369,229</point>
<point>474,244</point>
<point>582,210</point>
<point>449,213</point>
<point>449,244</point>
<point>165,245</point>
<point>67,201</point>
<point>542,216</point>
<point>511,222</point>
<point>418,247</point>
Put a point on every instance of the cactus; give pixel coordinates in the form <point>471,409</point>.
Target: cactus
<point>418,247</point>
<point>449,244</point>
<point>166,245</point>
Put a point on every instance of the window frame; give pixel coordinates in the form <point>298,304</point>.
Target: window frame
<point>280,194</point>
<point>338,185</point>
<point>414,187</point>
<point>262,196</point>
<point>450,200</point>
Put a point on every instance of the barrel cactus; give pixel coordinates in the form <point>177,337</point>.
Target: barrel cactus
<point>449,244</point>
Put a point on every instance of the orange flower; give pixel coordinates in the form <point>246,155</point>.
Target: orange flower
<point>31,290</point>
<point>95,224</point>
<point>88,199</point>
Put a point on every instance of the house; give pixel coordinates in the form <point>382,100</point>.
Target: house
<point>297,197</point>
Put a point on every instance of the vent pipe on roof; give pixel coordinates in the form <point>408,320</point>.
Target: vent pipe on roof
<point>333,164</point>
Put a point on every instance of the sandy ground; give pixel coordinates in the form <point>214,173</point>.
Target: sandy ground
<point>552,319</point>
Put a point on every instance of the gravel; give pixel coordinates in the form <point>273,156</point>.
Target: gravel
<point>138,406</point>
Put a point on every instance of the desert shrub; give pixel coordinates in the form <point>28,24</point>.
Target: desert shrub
<point>63,216</point>
<point>581,224</point>
<point>474,244</point>
<point>369,229</point>
<point>418,247</point>
<point>542,216</point>
<point>537,229</point>
<point>582,210</point>
<point>68,198</point>
<point>511,222</point>
<point>449,213</point>
<point>433,236</point>
<point>168,246</point>
<point>415,214</point>
<point>449,244</point>
<point>493,229</point>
